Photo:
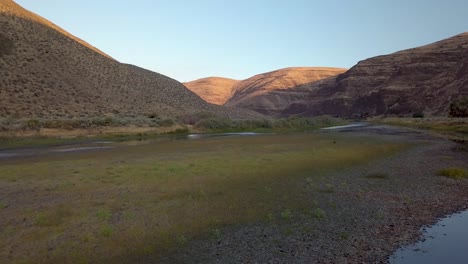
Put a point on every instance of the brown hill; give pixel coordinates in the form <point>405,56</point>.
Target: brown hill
<point>269,92</point>
<point>47,72</point>
<point>11,8</point>
<point>423,79</point>
<point>264,92</point>
<point>215,90</point>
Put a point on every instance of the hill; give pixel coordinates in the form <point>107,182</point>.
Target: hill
<point>215,90</point>
<point>264,92</point>
<point>423,79</point>
<point>47,72</point>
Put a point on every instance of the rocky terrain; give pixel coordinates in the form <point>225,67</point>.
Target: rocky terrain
<point>215,90</point>
<point>423,79</point>
<point>47,72</point>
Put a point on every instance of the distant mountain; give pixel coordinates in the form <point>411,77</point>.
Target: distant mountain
<point>264,92</point>
<point>47,72</point>
<point>423,79</point>
<point>215,90</point>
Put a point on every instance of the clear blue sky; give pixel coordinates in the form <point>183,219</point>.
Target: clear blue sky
<point>190,39</point>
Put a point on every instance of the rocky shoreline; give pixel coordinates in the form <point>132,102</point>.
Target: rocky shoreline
<point>364,218</point>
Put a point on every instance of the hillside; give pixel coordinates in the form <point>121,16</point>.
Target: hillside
<point>264,92</point>
<point>47,72</point>
<point>11,8</point>
<point>215,90</point>
<point>423,79</point>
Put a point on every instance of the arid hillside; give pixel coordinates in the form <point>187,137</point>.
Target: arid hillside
<point>419,80</point>
<point>264,92</point>
<point>248,93</point>
<point>47,72</point>
<point>215,90</point>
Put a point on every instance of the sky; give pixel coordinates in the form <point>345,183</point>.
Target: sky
<point>191,39</point>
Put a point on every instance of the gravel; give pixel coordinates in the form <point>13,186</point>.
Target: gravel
<point>366,220</point>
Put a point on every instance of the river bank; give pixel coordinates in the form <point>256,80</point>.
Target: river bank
<point>369,211</point>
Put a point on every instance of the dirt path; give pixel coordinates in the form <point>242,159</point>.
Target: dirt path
<point>361,219</point>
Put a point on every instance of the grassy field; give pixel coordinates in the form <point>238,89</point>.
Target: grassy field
<point>120,204</point>
<point>456,128</point>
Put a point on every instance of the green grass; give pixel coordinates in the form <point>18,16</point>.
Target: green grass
<point>150,198</point>
<point>454,173</point>
<point>104,215</point>
<point>106,230</point>
<point>286,214</point>
<point>318,213</point>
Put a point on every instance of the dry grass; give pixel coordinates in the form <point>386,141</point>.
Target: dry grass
<point>454,173</point>
<point>132,201</point>
<point>214,90</point>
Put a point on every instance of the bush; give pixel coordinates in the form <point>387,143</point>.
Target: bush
<point>454,173</point>
<point>166,123</point>
<point>319,213</point>
<point>459,107</point>
<point>33,124</point>
<point>6,45</point>
<point>195,118</point>
<point>418,115</point>
<point>214,124</point>
<point>153,116</point>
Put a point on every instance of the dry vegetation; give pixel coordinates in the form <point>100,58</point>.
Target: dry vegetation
<point>46,73</point>
<point>214,90</point>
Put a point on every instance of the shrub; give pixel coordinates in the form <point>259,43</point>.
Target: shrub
<point>153,116</point>
<point>104,215</point>
<point>182,240</point>
<point>454,173</point>
<point>344,235</point>
<point>216,234</point>
<point>6,45</point>
<point>179,131</point>
<point>195,118</point>
<point>214,123</point>
<point>418,115</point>
<point>318,213</point>
<point>166,123</point>
<point>459,107</point>
<point>286,214</point>
<point>33,124</point>
<point>106,230</point>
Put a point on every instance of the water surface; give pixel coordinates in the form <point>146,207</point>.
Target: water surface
<point>445,242</point>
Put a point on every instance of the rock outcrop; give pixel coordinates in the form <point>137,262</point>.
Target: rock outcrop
<point>423,79</point>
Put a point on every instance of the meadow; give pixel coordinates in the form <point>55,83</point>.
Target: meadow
<point>143,198</point>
